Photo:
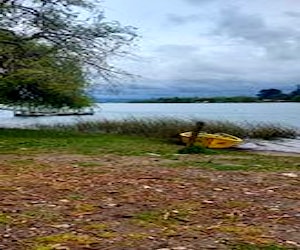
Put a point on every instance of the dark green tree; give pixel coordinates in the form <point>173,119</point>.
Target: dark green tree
<point>295,93</point>
<point>48,45</point>
<point>37,80</point>
<point>272,94</point>
<point>31,75</point>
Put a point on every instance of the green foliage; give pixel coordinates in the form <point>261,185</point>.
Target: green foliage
<point>295,98</point>
<point>270,94</point>
<point>195,150</point>
<point>49,60</point>
<point>71,28</point>
<point>4,219</point>
<point>35,78</point>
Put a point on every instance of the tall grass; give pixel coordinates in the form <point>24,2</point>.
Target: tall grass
<point>170,128</point>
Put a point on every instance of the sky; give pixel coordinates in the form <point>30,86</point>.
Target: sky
<point>209,47</point>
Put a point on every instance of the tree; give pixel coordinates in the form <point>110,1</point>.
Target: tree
<point>295,93</point>
<point>273,94</point>
<point>47,35</point>
<point>43,81</point>
<point>33,77</point>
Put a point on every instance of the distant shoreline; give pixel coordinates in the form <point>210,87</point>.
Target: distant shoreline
<point>235,99</point>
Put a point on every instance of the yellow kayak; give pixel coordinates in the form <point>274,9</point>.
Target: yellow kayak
<point>218,140</point>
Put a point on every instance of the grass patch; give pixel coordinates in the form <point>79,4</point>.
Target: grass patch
<point>238,161</point>
<point>45,215</point>
<point>22,142</point>
<point>163,218</point>
<point>80,239</point>
<point>4,219</point>
<point>32,142</point>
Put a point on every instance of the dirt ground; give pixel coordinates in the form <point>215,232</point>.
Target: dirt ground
<point>125,202</point>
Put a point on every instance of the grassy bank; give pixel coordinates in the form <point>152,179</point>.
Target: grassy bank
<point>23,141</point>
<point>32,142</point>
<point>170,128</point>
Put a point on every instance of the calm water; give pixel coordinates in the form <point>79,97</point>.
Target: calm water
<point>283,113</point>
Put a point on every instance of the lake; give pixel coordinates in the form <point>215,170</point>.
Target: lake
<point>283,113</point>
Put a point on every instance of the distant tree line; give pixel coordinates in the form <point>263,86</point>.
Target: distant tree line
<point>264,95</point>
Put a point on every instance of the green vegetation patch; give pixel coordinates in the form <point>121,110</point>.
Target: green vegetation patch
<point>238,161</point>
<point>81,239</point>
<point>5,219</point>
<point>22,142</point>
<point>164,218</point>
<point>196,150</point>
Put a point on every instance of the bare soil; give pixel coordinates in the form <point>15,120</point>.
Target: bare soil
<point>55,201</point>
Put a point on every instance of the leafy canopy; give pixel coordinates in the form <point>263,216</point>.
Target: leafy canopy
<point>48,48</point>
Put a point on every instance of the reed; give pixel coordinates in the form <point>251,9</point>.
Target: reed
<point>170,128</point>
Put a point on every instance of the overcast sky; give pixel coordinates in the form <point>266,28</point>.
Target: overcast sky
<point>193,46</point>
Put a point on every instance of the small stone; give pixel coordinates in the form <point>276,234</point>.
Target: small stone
<point>274,209</point>
<point>59,247</point>
<point>153,154</point>
<point>146,187</point>
<point>179,248</point>
<point>62,226</point>
<point>249,193</point>
<point>64,200</point>
<point>270,191</point>
<point>292,175</point>
<point>292,243</point>
<point>34,202</point>
<point>51,205</point>
<point>207,202</point>
<point>111,205</point>
<point>218,189</point>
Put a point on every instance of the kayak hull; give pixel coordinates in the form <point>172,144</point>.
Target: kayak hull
<point>218,140</point>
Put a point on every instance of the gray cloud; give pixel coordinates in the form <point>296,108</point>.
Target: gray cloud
<point>228,65</point>
<point>197,2</point>
<point>182,20</point>
<point>278,42</point>
<point>218,48</point>
<point>175,50</point>
<point>294,14</point>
